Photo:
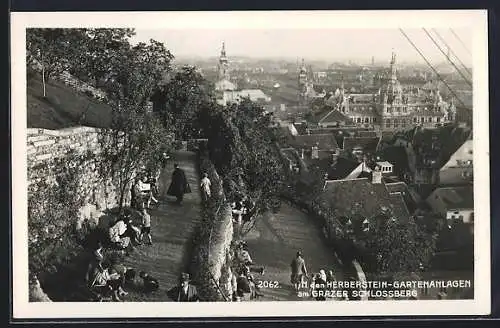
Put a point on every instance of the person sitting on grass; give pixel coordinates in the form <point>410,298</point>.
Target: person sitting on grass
<point>118,235</point>
<point>108,280</point>
<point>150,284</point>
<point>250,210</point>
<point>243,287</point>
<point>96,260</point>
<point>100,285</point>
<point>255,290</point>
<point>132,232</point>
<point>117,273</point>
<point>238,209</point>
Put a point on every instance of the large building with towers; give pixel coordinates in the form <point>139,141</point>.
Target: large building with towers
<point>394,107</point>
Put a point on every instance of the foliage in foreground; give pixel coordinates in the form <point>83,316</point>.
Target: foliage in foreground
<point>243,145</point>
<point>53,207</point>
<point>387,248</point>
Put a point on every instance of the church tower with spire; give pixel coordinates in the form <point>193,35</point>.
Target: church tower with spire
<point>304,85</point>
<point>223,78</point>
<point>223,67</point>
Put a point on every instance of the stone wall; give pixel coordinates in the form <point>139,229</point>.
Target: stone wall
<point>48,151</point>
<point>81,86</point>
<point>44,145</point>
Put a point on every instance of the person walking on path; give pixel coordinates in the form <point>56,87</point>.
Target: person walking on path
<point>146,227</point>
<point>299,271</point>
<point>179,185</point>
<point>205,187</point>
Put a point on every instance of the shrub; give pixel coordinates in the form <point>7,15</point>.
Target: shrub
<point>53,207</point>
<point>205,233</point>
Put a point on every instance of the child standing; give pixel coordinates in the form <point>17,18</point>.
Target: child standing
<point>205,187</point>
<point>146,226</point>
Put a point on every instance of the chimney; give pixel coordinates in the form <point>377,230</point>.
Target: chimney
<point>376,176</point>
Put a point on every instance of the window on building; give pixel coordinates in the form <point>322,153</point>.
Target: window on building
<point>374,120</point>
<point>367,120</point>
<point>466,174</point>
<point>430,119</point>
<point>422,119</point>
<point>438,119</point>
<point>415,120</point>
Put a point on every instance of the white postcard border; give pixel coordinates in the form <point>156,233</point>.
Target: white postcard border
<point>475,19</point>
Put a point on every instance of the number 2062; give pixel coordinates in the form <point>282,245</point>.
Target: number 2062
<point>267,284</point>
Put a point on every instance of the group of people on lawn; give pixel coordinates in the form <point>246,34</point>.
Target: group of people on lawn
<point>110,276</point>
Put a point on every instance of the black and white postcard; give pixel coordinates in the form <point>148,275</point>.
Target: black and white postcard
<point>302,163</point>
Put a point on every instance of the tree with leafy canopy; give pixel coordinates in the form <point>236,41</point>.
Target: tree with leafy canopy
<point>100,54</point>
<point>182,98</point>
<point>136,138</point>
<point>390,248</point>
<point>243,144</point>
<point>51,50</point>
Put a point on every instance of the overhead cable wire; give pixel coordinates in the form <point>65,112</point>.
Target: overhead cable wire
<point>460,40</point>
<point>451,51</point>
<point>447,57</point>
<point>430,65</point>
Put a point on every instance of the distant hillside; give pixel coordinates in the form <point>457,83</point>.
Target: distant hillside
<point>63,107</point>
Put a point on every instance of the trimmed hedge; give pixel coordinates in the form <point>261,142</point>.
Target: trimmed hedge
<point>209,234</point>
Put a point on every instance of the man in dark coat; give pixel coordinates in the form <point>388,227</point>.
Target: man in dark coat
<point>179,185</point>
<point>185,292</point>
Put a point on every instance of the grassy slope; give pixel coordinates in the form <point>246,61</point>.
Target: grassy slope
<point>63,107</point>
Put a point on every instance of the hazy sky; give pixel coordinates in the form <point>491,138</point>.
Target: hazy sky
<point>321,44</point>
